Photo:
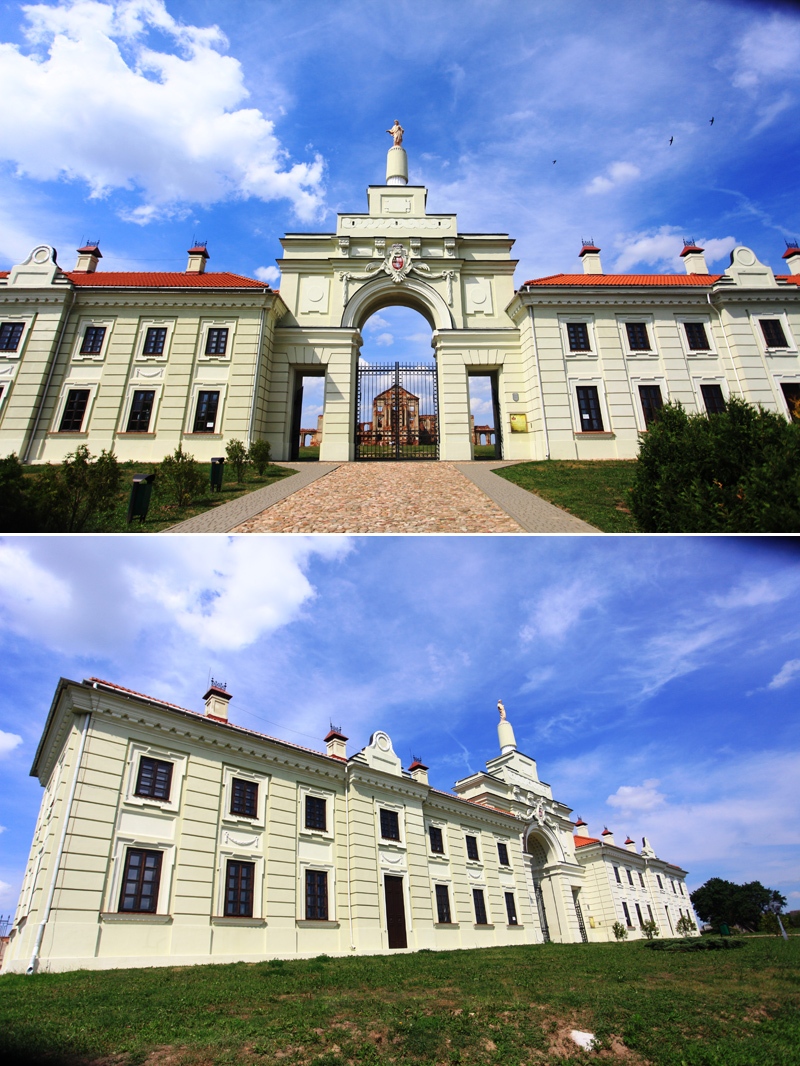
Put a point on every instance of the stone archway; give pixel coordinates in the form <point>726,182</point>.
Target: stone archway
<point>383,292</point>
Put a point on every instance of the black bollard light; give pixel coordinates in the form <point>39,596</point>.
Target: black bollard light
<point>141,491</point>
<point>215,477</point>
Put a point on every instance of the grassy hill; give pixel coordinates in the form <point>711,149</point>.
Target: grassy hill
<point>507,1006</point>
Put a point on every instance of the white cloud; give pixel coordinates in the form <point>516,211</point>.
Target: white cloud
<point>560,608</point>
<point>619,173</point>
<point>103,107</point>
<point>643,797</point>
<point>383,340</point>
<point>271,275</point>
<point>662,249</point>
<point>752,594</point>
<point>767,51</point>
<point>375,323</point>
<point>8,741</point>
<point>6,892</point>
<point>787,673</point>
<point>224,593</point>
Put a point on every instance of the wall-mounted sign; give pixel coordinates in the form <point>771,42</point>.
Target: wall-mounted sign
<point>519,423</point>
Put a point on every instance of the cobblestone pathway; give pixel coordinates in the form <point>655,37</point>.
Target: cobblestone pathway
<point>386,498</point>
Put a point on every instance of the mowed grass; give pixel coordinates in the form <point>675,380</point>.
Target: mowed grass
<point>493,1006</point>
<point>598,492</point>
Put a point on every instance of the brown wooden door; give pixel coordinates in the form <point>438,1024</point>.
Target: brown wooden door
<point>395,912</point>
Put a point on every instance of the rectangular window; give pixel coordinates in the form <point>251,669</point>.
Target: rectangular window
<point>472,849</point>
<point>650,395</point>
<point>713,399</point>
<point>627,915</point>
<point>141,410</point>
<point>502,854</point>
<point>480,907</point>
<point>140,881</point>
<point>696,336</point>
<point>616,874</point>
<point>443,905</point>
<point>155,778</point>
<point>93,340</point>
<point>650,912</point>
<point>437,841</point>
<point>578,336</point>
<point>511,909</point>
<point>206,415</point>
<point>244,798</point>
<point>216,341</point>
<point>641,880</point>
<point>10,335</point>
<point>630,878</point>
<point>390,825</point>
<point>74,410</point>
<point>316,815</point>
<point>791,393</point>
<point>239,882</point>
<point>316,895</point>
<point>154,340</point>
<point>658,878</point>
<point>680,886</point>
<point>637,336</point>
<point>773,333</point>
<point>673,888</point>
<point>589,409</point>
<point>639,913</point>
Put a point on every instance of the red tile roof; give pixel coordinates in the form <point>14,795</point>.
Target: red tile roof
<point>790,279</point>
<point>135,279</point>
<point>581,842</point>
<point>661,280</point>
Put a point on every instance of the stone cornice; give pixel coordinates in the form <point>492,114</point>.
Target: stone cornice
<point>202,298</point>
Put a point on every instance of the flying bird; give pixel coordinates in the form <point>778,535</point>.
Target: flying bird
<point>554,160</point>
<point>711,123</point>
<point>671,140</point>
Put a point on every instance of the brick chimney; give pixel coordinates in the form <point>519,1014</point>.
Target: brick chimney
<point>792,256</point>
<point>88,257</point>
<point>336,742</point>
<point>631,845</point>
<point>693,258</point>
<point>419,771</point>
<point>590,254</point>
<point>217,699</point>
<point>607,836</point>
<point>198,255</point>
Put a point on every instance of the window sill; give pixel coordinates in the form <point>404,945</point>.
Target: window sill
<point>78,435</point>
<point>446,925</point>
<point>780,351</point>
<point>602,434</point>
<point>584,355</point>
<point>138,917</point>
<point>636,355</point>
<point>149,435</point>
<point>516,925</point>
<point>208,436</point>
<point>437,855</point>
<point>316,923</point>
<point>230,919</point>
<point>316,834</point>
<point>483,925</point>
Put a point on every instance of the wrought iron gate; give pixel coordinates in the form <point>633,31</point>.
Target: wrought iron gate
<point>397,412</point>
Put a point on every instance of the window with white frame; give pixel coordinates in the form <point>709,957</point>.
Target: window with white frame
<point>315,812</point>
<point>239,888</point>
<point>443,913</point>
<point>142,868</point>
<point>577,335</point>
<point>91,339</point>
<point>10,336</point>
<point>696,333</point>
<point>637,335</point>
<point>436,839</point>
<point>511,909</point>
<point>244,797</point>
<point>713,397</point>
<point>774,332</point>
<point>316,895</point>
<point>155,337</point>
<point>74,410</point>
<point>502,853</point>
<point>140,411</point>
<point>206,411</point>
<point>481,917</point>
<point>154,777</point>
<point>216,339</point>
<point>590,414</point>
<point>471,844</point>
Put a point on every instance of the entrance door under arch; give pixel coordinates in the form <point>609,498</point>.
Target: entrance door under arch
<point>537,860</point>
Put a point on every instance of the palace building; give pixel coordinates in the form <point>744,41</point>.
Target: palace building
<point>579,363</point>
<point>168,836</point>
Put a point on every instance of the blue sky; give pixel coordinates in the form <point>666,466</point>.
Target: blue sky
<point>655,680</point>
<point>148,123</point>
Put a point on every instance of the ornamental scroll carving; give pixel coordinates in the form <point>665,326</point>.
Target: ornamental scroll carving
<point>398,264</point>
<point>394,223</point>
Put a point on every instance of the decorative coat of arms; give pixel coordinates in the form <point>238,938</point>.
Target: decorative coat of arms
<point>398,263</point>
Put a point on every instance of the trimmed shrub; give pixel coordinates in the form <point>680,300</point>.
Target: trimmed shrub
<point>237,456</point>
<point>77,493</point>
<point>260,455</point>
<point>181,477</point>
<point>619,931</point>
<point>733,472</point>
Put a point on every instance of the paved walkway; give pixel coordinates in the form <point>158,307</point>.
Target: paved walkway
<point>534,514</point>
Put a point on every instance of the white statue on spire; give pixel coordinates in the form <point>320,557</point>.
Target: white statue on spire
<point>397,132</point>
<point>502,711</point>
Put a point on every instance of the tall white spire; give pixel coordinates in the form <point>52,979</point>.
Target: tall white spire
<point>505,733</point>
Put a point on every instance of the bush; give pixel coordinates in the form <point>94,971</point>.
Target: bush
<point>650,929</point>
<point>181,477</point>
<point>700,944</point>
<point>619,931</point>
<point>685,926</point>
<point>737,472</point>
<point>237,456</point>
<point>260,455</point>
<point>78,492</point>
<point>17,511</point>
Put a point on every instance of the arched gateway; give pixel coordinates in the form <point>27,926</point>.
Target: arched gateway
<point>395,254</point>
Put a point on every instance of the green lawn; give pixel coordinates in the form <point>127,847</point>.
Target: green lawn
<point>496,1006</point>
<point>595,491</point>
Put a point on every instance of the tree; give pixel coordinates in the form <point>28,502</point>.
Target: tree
<point>650,929</point>
<point>260,455</point>
<point>238,457</point>
<point>76,493</point>
<point>719,901</point>
<point>619,931</point>
<point>17,513</point>
<point>737,471</point>
<point>685,926</point>
<point>182,476</point>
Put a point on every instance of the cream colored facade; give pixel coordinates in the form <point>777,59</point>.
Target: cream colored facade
<point>244,857</point>
<point>331,283</point>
